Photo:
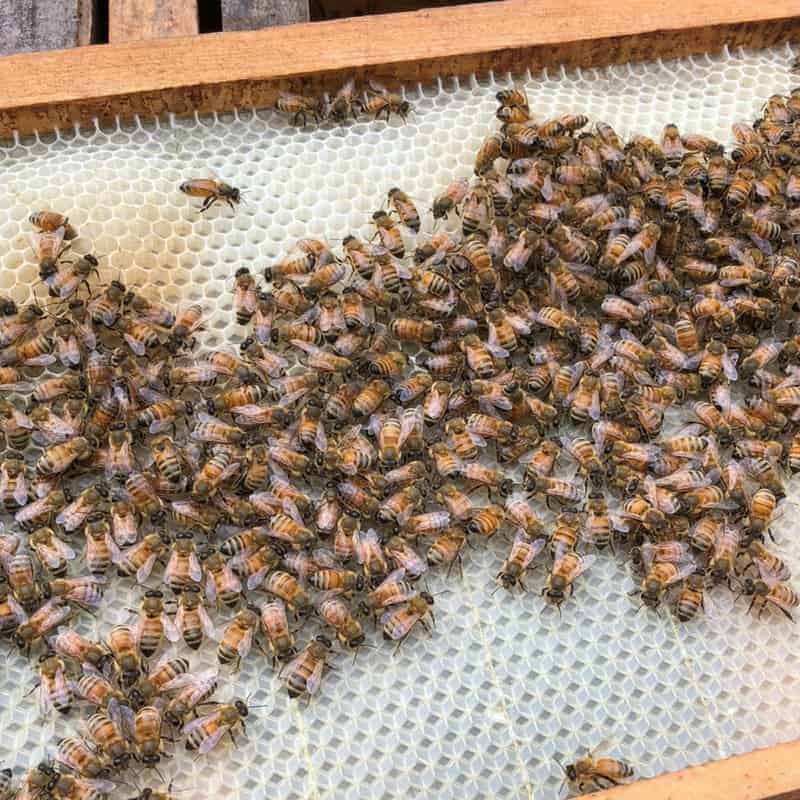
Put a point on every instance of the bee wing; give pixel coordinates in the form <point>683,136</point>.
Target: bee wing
<point>494,348</point>
<point>321,438</point>
<point>245,643</point>
<point>409,421</point>
<point>256,578</point>
<point>684,571</point>
<point>43,696</point>
<point>21,490</point>
<point>535,547</point>
<point>16,609</point>
<point>210,742</point>
<point>49,555</point>
<point>98,784</point>
<point>374,88</point>
<point>171,630</point>
<point>290,508</point>
<point>172,565</point>
<point>138,628</point>
<point>315,678</point>
<point>585,563</point>
<point>729,366</point>
<point>211,589</point>
<point>135,345</point>
<point>711,607</point>
<point>547,189</point>
<point>348,89</point>
<point>208,625</point>
<point>159,425</point>
<point>124,529</point>
<point>195,570</point>
<point>202,416</point>
<point>143,573</point>
<point>69,517</point>
<point>651,491</point>
<point>114,551</point>
<point>403,271</point>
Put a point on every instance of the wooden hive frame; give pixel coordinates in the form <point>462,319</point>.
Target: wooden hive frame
<point>219,72</point>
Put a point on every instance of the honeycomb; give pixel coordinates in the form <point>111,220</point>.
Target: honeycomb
<point>485,706</point>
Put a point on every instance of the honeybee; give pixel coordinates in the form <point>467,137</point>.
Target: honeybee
<point>762,507</point>
<point>54,691</point>
<point>51,552</point>
<point>221,584</point>
<point>101,550</point>
<point>51,221</point>
<point>286,587</point>
<point>183,567</point>
<point>390,235</point>
<point>47,618</point>
<point>344,103</point>
<point>193,691</point>
<point>405,209</point>
<point>76,754</point>
<point>168,673</point>
<point>563,575</point>
<point>48,245</point>
<point>305,672</point>
<point>121,641</point>
<point>333,610</point>
<point>212,189</point>
<point>591,774</point>
<point>21,576</point>
<point>58,458</point>
<point>300,108</point>
<point>398,623</point>
<point>11,612</point>
<point>446,548</point>
<point>523,552</point>
<point>147,735</point>
<point>153,624</point>
<point>205,733</point>
<point>276,630</point>
<point>769,590</point>
<point>13,483</point>
<point>380,101</point>
<point>237,638</point>
<point>140,559</point>
<point>452,196</point>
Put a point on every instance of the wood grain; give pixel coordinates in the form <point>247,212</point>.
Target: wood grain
<point>769,774</point>
<point>134,20</point>
<point>217,72</point>
<point>250,15</point>
<point>29,25</point>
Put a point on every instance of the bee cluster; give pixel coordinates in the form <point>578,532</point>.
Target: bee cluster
<point>375,99</point>
<point>578,291</point>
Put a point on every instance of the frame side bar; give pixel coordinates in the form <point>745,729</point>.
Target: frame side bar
<point>769,774</point>
<point>220,72</point>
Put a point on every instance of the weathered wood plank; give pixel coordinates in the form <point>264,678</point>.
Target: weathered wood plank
<point>28,25</point>
<point>216,72</point>
<point>769,774</point>
<point>250,15</point>
<point>136,20</point>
